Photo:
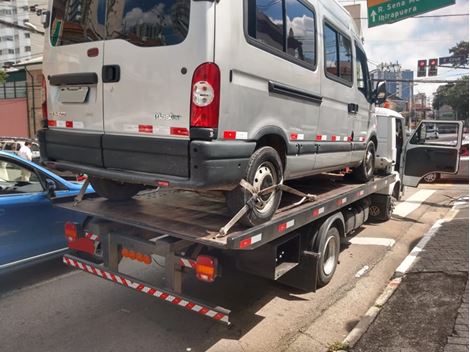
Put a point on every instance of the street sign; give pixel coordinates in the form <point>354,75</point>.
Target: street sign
<point>453,60</point>
<point>389,11</point>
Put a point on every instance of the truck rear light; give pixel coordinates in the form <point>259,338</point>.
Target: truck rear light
<point>133,255</point>
<point>206,268</point>
<point>44,98</point>
<point>71,231</point>
<point>205,96</point>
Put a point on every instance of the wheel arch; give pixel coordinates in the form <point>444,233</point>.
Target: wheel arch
<point>273,136</point>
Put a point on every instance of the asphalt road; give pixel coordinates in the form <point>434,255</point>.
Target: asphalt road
<point>50,308</point>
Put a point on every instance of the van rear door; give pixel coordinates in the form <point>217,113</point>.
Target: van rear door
<point>73,60</point>
<point>153,48</point>
<point>433,148</point>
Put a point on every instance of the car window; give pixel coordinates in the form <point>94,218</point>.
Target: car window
<point>287,26</point>
<point>338,54</point>
<point>17,179</point>
<point>140,22</point>
<point>300,27</point>
<point>442,134</point>
<point>362,73</point>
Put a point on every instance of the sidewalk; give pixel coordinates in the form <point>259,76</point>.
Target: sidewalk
<point>428,312</point>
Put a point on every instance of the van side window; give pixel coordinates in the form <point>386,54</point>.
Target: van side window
<point>362,73</point>
<point>338,54</point>
<point>284,25</point>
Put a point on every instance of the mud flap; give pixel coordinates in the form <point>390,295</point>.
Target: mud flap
<point>304,275</point>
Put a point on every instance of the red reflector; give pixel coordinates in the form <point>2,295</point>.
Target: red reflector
<point>245,243</point>
<point>82,245</point>
<point>52,123</point>
<point>177,131</point>
<point>319,137</point>
<point>316,212</point>
<point>230,134</point>
<point>69,124</point>
<point>145,128</point>
<point>163,183</point>
<point>71,231</point>
<point>93,52</point>
<point>282,227</point>
<point>294,136</point>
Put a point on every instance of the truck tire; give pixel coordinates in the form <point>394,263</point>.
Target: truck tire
<point>365,171</point>
<point>264,169</point>
<point>431,178</point>
<point>113,190</point>
<point>328,248</point>
<point>381,208</point>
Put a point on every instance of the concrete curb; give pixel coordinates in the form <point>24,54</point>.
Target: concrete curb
<point>363,325</point>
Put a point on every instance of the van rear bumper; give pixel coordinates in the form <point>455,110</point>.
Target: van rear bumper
<point>201,165</point>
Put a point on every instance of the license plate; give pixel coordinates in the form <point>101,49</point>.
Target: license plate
<point>73,94</point>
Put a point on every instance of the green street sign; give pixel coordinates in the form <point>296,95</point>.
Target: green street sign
<point>383,12</point>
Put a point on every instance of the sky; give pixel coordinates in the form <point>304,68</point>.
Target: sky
<point>412,39</point>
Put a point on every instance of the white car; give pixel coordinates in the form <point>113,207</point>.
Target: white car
<point>463,168</point>
<point>14,145</point>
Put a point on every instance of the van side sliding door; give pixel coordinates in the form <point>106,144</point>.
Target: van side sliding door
<point>433,148</point>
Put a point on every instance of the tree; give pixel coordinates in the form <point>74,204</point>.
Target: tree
<point>454,95</point>
<point>3,77</point>
<point>460,50</point>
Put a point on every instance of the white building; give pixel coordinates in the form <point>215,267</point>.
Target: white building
<point>15,43</point>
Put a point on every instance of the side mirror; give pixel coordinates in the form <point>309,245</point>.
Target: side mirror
<point>51,187</point>
<point>380,94</point>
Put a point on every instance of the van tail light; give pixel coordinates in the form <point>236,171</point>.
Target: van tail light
<point>44,98</point>
<point>71,231</point>
<point>205,96</point>
<point>206,268</point>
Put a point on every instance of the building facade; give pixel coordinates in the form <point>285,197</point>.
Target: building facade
<point>394,75</point>
<point>15,43</point>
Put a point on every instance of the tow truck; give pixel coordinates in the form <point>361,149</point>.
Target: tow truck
<point>299,247</point>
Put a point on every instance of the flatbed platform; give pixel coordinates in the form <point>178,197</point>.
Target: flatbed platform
<point>198,217</point>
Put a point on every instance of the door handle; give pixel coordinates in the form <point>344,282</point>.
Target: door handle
<point>353,108</point>
<point>111,73</point>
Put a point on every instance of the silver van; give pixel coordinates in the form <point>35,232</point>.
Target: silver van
<point>199,94</point>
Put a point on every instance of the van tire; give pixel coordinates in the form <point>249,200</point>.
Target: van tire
<point>264,161</point>
<point>365,171</point>
<point>113,190</point>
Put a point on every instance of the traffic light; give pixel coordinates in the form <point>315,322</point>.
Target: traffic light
<point>432,71</point>
<point>422,68</point>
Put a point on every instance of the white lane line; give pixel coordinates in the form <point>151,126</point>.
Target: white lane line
<point>412,203</point>
<point>372,241</point>
<point>362,271</point>
<point>410,259</point>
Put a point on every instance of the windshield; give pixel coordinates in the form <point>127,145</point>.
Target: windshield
<point>140,22</point>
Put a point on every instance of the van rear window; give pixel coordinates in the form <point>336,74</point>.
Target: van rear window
<point>140,22</point>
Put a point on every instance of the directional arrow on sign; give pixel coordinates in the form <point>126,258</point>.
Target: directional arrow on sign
<point>373,14</point>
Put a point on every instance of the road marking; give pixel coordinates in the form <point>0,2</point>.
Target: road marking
<point>372,241</point>
<point>412,203</point>
<point>362,271</point>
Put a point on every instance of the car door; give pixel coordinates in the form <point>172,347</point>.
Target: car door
<point>73,60</point>
<point>425,154</point>
<point>29,225</point>
<point>335,127</point>
<point>361,110</point>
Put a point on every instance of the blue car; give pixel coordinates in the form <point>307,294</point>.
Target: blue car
<point>31,228</point>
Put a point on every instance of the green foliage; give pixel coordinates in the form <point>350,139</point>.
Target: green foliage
<point>460,50</point>
<point>455,95</point>
<point>3,77</point>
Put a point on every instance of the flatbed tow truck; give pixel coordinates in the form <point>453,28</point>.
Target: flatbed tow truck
<point>298,247</point>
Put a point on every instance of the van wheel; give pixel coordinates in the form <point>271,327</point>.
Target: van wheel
<point>328,248</point>
<point>431,178</point>
<point>113,190</point>
<point>365,171</point>
<point>264,170</point>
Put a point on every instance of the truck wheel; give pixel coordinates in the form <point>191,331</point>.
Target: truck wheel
<point>264,170</point>
<point>431,178</point>
<point>328,248</point>
<point>381,208</point>
<point>113,190</point>
<point>365,171</point>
